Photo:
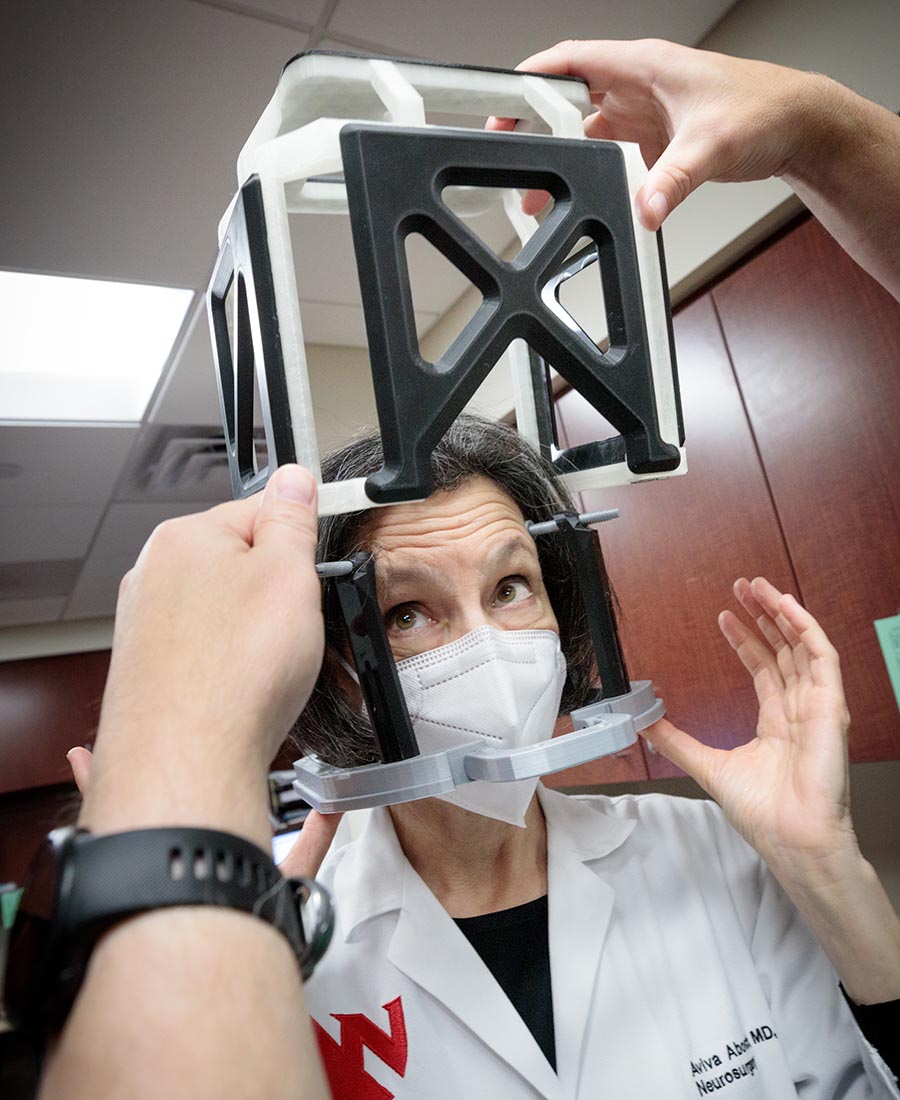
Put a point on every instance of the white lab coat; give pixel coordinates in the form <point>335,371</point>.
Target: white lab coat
<point>679,969</point>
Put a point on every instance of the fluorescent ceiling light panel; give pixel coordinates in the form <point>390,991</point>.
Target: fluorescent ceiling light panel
<point>82,349</point>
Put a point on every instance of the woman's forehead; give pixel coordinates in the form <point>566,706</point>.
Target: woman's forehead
<point>478,510</point>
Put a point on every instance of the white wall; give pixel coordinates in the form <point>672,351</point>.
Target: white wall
<point>855,43</point>
<point>342,393</point>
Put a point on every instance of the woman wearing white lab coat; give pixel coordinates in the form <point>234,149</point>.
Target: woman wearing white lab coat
<point>677,965</point>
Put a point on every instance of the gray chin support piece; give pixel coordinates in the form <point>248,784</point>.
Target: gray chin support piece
<point>601,728</point>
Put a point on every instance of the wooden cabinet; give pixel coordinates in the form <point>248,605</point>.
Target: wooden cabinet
<point>815,345</point>
<point>47,705</point>
<point>680,543</point>
<point>790,378</point>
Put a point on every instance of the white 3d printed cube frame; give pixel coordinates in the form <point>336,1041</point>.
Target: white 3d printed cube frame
<point>295,158</point>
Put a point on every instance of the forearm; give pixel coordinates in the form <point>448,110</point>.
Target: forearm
<point>158,779</point>
<point>850,914</point>
<point>847,171</point>
<point>186,1002</point>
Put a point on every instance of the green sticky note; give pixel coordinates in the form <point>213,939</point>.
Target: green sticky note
<point>888,631</point>
<point>9,903</point>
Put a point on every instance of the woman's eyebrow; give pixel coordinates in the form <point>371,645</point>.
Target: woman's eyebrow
<point>516,550</point>
<point>389,576</point>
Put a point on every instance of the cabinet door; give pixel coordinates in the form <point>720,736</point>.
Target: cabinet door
<point>680,543</point>
<point>47,705</point>
<point>815,345</point>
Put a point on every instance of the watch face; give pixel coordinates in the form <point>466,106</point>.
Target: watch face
<point>31,944</point>
<point>316,920</point>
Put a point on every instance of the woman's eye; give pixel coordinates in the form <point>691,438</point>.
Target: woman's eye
<point>512,590</point>
<point>405,618</point>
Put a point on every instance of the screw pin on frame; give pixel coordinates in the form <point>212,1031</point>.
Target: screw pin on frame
<point>585,519</point>
<point>334,568</point>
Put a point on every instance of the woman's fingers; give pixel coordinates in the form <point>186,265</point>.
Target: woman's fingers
<point>801,645</point>
<point>80,762</point>
<point>823,661</point>
<point>760,600</point>
<point>500,123</point>
<point>756,657</point>
<point>769,629</point>
<point>793,658</point>
<point>305,857</point>
<point>692,756</point>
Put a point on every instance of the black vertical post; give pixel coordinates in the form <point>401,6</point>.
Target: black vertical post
<point>596,596</point>
<point>375,662</point>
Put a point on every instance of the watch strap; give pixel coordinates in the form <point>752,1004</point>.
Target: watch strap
<point>122,874</point>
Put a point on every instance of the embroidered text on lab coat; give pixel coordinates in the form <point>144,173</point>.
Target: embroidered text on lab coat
<point>736,1069</point>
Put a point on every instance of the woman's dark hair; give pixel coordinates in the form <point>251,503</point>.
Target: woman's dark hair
<point>330,726</point>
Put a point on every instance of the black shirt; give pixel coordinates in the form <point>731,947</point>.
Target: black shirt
<point>514,945</point>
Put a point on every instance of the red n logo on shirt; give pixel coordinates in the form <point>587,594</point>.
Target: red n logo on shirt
<point>343,1061</point>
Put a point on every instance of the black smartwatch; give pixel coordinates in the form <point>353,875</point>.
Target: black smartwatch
<point>79,886</point>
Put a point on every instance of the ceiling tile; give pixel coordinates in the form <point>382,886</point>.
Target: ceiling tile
<point>24,612</point>
<point>122,126</point>
<point>97,589</point>
<point>21,580</point>
<point>325,262</point>
<point>47,533</point>
<point>324,259</point>
<point>189,394</point>
<point>506,32</point>
<point>291,11</point>
<point>61,463</point>
<point>126,527</point>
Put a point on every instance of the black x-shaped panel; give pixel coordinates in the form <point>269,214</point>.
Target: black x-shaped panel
<point>394,181</point>
<point>251,347</point>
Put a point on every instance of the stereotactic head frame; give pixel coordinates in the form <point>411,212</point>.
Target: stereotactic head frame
<point>608,724</point>
<point>350,135</point>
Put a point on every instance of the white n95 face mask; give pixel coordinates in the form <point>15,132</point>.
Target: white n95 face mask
<point>490,687</point>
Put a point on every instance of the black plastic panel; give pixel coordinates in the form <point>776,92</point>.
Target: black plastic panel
<point>394,182</point>
<point>596,596</point>
<point>374,662</point>
<point>253,348</point>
